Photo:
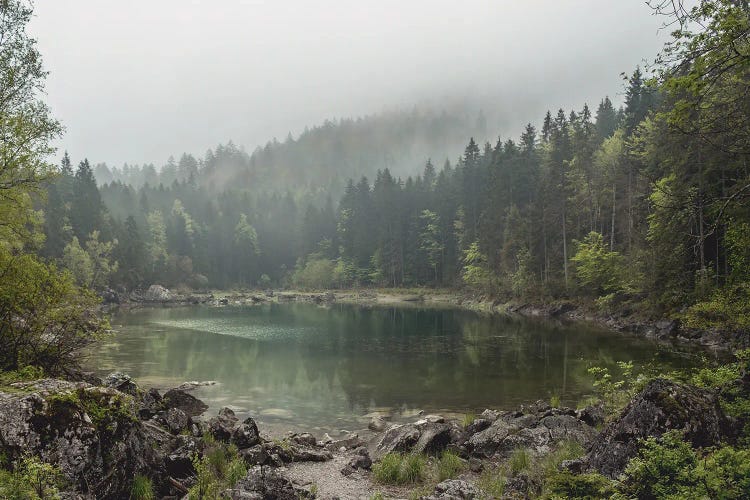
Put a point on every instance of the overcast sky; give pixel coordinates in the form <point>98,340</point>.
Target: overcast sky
<point>139,80</point>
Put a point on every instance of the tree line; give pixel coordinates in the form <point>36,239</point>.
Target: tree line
<point>644,205</point>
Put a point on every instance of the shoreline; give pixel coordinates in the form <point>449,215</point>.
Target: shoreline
<point>660,329</point>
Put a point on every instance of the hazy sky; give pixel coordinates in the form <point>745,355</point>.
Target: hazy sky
<point>139,80</point>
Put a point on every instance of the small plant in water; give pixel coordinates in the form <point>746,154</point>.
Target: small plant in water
<point>469,419</point>
<point>554,401</point>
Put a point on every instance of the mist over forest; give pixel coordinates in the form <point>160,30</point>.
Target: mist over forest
<point>503,250</point>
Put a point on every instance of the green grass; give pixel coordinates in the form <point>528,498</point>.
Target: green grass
<point>396,468</point>
<point>520,461</point>
<point>491,483</point>
<point>468,419</point>
<point>449,466</point>
<point>554,401</point>
<point>142,489</point>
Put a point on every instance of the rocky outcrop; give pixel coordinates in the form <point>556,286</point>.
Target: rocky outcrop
<point>157,293</point>
<point>662,406</point>
<point>91,433</point>
<point>538,427</point>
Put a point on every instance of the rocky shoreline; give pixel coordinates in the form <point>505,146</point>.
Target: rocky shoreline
<point>102,433</point>
<point>664,329</point>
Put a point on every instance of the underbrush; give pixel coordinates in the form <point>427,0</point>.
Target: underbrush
<point>30,479</point>
<point>219,467</point>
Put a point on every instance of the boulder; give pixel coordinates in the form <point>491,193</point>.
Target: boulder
<point>157,293</point>
<point>176,420</point>
<point>91,433</point>
<point>150,404</point>
<point>349,442</point>
<point>226,427</point>
<point>433,439</point>
<point>454,489</point>
<point>661,406</point>
<point>176,398</point>
<point>377,424</point>
<point>592,415</point>
<point>399,438</point>
<point>539,427</point>
<point>122,383</point>
<point>360,460</point>
<point>262,484</point>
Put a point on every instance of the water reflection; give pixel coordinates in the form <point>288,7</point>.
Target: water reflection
<point>309,366</point>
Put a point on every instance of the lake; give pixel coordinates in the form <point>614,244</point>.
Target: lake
<point>302,366</point>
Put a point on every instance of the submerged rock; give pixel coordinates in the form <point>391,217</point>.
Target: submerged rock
<point>662,406</point>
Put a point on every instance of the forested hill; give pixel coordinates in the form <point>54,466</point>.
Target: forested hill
<point>320,158</point>
<point>642,207</point>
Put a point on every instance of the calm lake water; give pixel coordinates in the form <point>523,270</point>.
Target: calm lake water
<point>303,366</point>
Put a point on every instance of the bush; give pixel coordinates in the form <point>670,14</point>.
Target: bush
<point>670,468</point>
<point>395,468</point>
<point>317,273</point>
<point>597,269</point>
<point>220,467</point>
<point>32,479</point>
<point>583,486</point>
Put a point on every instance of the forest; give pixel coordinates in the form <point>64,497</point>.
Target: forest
<point>641,205</point>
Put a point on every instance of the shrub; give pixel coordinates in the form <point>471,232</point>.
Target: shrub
<point>218,468</point>
<point>670,468</point>
<point>554,401</point>
<point>32,479</point>
<point>583,486</point>
<point>597,269</point>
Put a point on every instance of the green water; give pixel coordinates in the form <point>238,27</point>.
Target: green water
<point>302,366</point>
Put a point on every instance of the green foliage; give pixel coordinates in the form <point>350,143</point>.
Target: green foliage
<point>520,461</point>
<point>727,309</point>
<point>598,270</point>
<point>491,483</point>
<point>219,467</point>
<point>142,489</point>
<point>449,466</point>
<point>468,419</point>
<point>554,401</point>
<point>315,274</point>
<point>615,393</point>
<point>397,468</point>
<point>588,486</point>
<point>52,319</point>
<point>32,479</point>
<point>476,272</point>
<point>669,468</point>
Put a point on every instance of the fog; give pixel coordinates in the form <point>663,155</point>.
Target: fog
<point>140,80</point>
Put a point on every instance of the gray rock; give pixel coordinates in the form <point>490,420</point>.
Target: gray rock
<point>226,427</point>
<point>150,404</point>
<point>96,453</point>
<point>360,460</point>
<point>377,424</point>
<point>349,442</point>
<point>176,398</point>
<point>592,415</point>
<point>454,489</point>
<point>157,293</point>
<point>262,484</point>
<point>122,383</point>
<point>399,438</point>
<point>176,420</point>
<point>433,439</point>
